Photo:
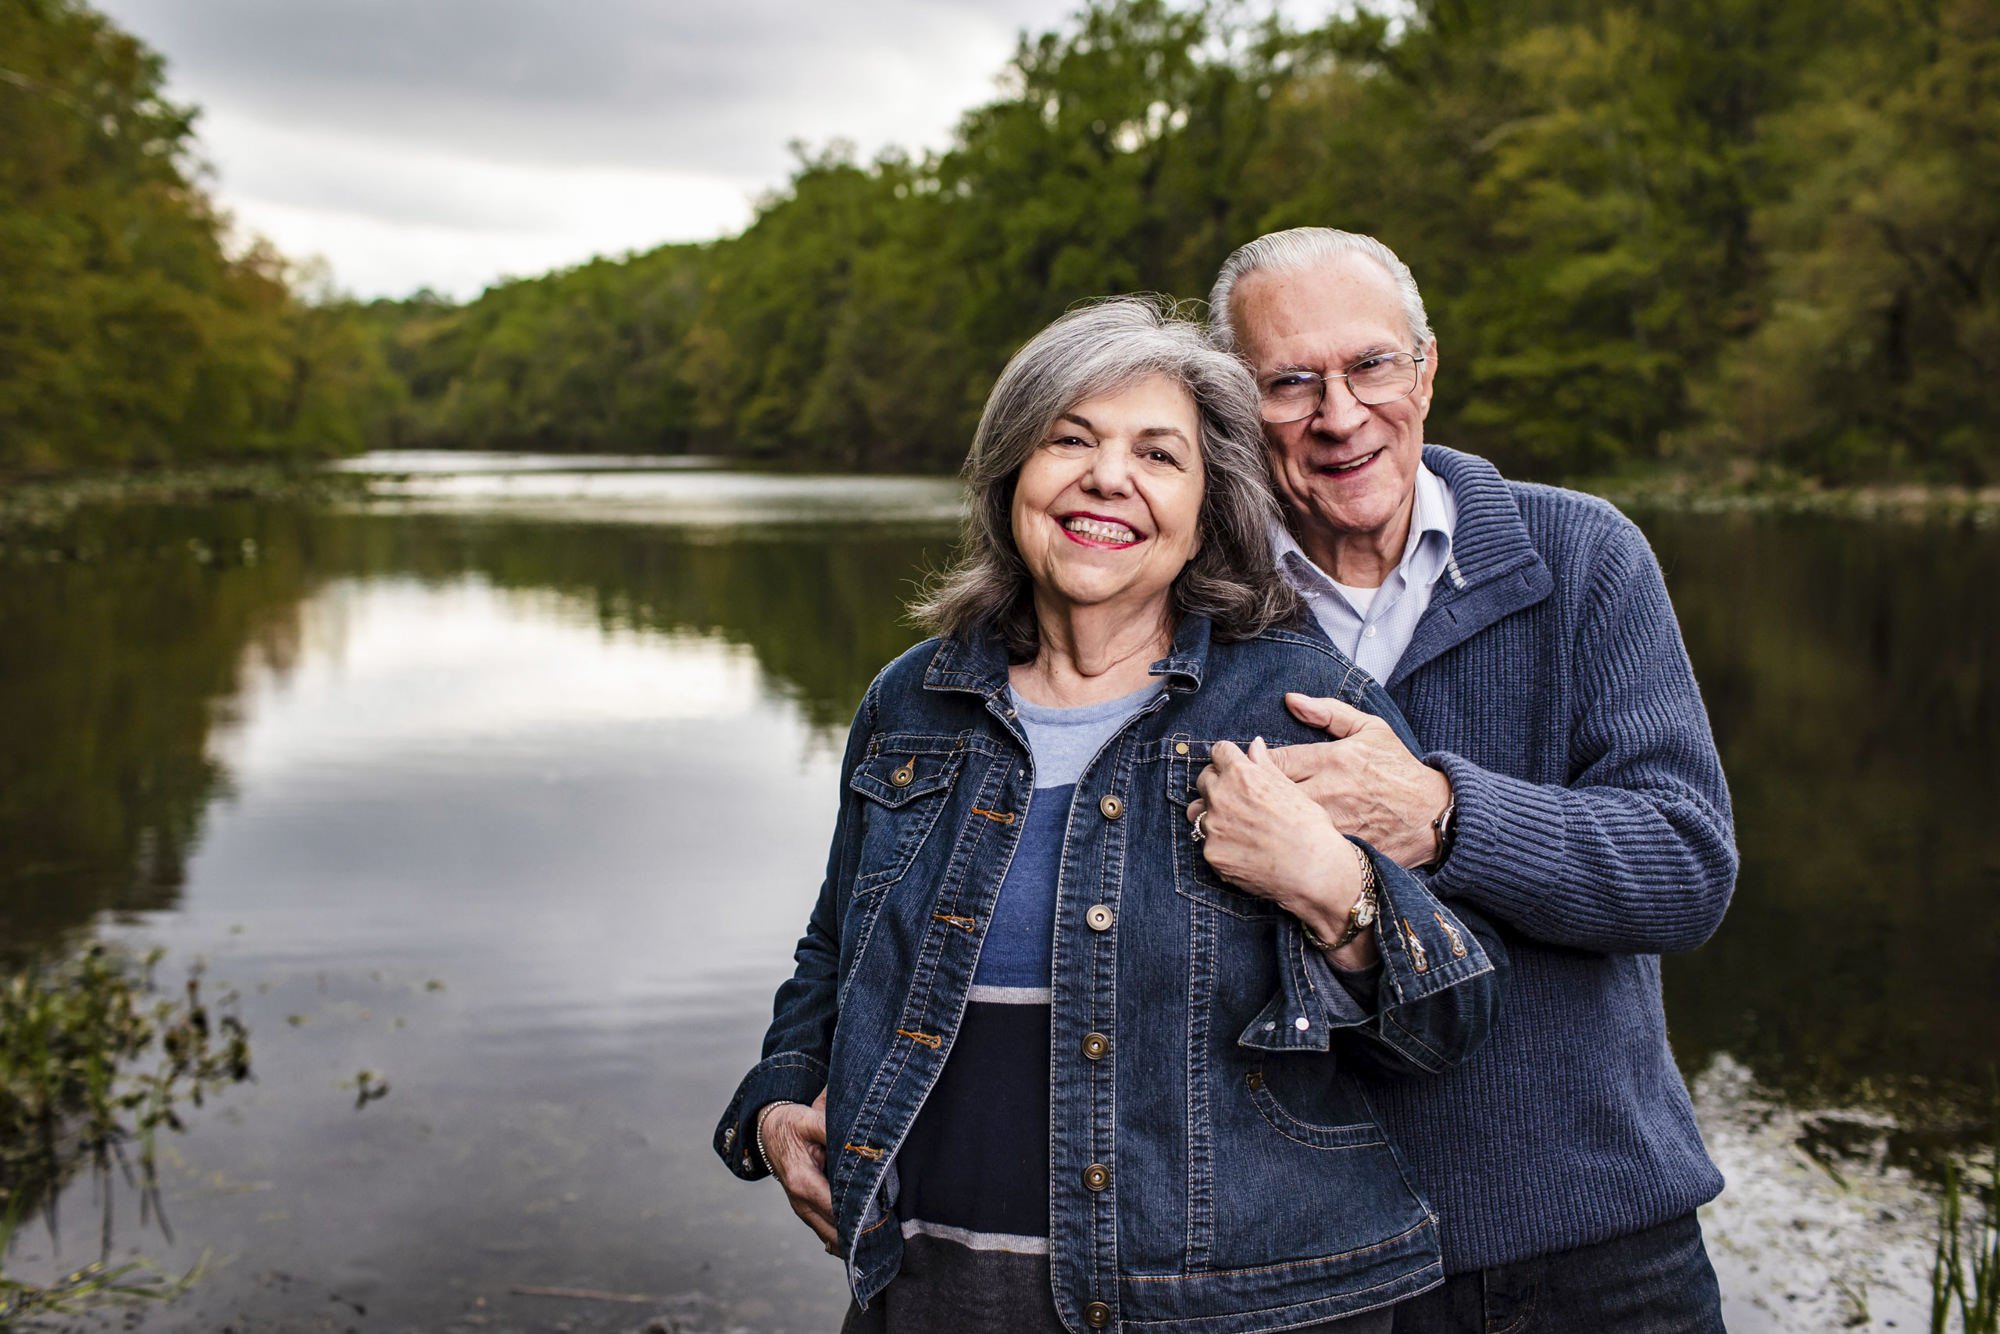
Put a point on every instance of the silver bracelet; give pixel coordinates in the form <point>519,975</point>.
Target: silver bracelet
<point>758,1137</point>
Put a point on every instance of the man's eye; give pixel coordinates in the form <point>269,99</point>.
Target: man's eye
<point>1371,365</point>
<point>1294,382</point>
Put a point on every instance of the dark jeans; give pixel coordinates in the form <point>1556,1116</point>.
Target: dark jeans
<point>1654,1282</point>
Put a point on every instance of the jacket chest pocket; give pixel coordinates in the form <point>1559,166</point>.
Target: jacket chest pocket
<point>904,793</point>
<point>1194,878</point>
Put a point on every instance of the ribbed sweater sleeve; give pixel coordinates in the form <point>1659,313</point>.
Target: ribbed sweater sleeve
<point>1633,852</point>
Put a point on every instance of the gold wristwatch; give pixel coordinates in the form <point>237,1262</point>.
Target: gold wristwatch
<point>1360,917</point>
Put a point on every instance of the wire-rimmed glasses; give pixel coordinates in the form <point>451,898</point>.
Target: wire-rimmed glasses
<point>1292,396</point>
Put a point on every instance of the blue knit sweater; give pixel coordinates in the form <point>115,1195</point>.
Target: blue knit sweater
<point>1549,681</point>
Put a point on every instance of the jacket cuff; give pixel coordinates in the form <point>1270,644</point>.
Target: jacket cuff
<point>788,1076</point>
<point>1425,947</point>
<point>1425,950</point>
<point>1313,998</point>
<point>1309,1004</point>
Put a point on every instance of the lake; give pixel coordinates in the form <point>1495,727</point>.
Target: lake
<point>511,789</point>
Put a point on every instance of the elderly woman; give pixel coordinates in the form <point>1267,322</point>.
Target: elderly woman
<point>1083,1059</point>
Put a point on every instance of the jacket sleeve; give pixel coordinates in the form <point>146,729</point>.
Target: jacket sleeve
<point>798,1042</point>
<point>1432,1004</point>
<point>1636,853</point>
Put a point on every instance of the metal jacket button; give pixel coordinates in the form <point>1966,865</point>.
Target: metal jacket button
<point>1180,747</point>
<point>1096,1046</point>
<point>1097,1315</point>
<point>1111,806</point>
<point>904,776</point>
<point>1096,1177</point>
<point>1098,917</point>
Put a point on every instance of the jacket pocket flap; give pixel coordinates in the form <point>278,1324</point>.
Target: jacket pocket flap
<point>894,780</point>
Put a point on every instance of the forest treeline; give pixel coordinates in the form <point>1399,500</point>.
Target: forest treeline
<point>1715,235</point>
<point>129,333</point>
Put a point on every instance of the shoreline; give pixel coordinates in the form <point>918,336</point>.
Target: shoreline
<point>40,500</point>
<point>1786,494</point>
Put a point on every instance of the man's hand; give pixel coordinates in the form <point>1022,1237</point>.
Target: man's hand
<point>1366,779</point>
<point>795,1146</point>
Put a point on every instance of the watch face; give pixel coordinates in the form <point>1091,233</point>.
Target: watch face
<point>1364,913</point>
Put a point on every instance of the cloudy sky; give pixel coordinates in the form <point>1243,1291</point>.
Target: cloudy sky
<point>446,143</point>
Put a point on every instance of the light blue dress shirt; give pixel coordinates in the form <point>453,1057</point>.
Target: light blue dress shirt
<point>1374,631</point>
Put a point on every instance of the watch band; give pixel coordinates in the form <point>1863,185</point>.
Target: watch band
<point>1441,830</point>
<point>1360,916</point>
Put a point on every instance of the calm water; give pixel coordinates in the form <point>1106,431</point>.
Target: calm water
<point>513,790</point>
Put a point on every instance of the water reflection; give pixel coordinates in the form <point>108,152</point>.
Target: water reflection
<point>122,640</point>
<point>1853,688</point>
<point>491,847</point>
<point>612,490</point>
<point>522,812</point>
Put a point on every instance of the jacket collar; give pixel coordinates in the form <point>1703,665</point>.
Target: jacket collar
<point>1494,570</point>
<point>978,664</point>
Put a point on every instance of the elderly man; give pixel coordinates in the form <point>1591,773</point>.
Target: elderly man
<point>1571,790</point>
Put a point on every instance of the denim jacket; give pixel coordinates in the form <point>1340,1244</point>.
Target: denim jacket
<point>1212,1166</point>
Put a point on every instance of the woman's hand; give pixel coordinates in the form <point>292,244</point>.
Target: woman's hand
<point>794,1138</point>
<point>1263,834</point>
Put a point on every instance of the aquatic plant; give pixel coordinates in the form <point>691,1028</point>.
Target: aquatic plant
<point>1966,1273</point>
<point>94,1062</point>
<point>80,1289</point>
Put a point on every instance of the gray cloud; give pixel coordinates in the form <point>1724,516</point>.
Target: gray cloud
<point>707,88</point>
<point>442,142</point>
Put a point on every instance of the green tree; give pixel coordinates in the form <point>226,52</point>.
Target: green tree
<point>1648,233</point>
<point>819,336</point>
<point>127,333</point>
<point>1878,346</point>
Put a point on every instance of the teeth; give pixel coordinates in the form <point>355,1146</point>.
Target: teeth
<point>1100,529</point>
<point>1350,467</point>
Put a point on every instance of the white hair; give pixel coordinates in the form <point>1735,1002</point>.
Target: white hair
<point>1303,248</point>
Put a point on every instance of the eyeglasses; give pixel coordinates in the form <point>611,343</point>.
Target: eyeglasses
<point>1296,395</point>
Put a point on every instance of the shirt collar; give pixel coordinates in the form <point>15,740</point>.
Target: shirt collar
<point>1426,550</point>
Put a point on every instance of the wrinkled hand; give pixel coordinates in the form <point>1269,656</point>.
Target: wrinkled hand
<point>1366,780</point>
<point>1263,834</point>
<point>795,1144</point>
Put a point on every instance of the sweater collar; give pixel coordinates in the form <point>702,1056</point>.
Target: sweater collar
<point>1494,568</point>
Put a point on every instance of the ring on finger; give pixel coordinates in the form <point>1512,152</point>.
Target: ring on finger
<point>1197,834</point>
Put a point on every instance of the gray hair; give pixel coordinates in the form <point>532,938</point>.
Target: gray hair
<point>1092,351</point>
<point>1303,248</point>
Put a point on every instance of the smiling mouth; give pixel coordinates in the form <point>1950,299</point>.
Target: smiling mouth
<point>1108,532</point>
<point>1354,466</point>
